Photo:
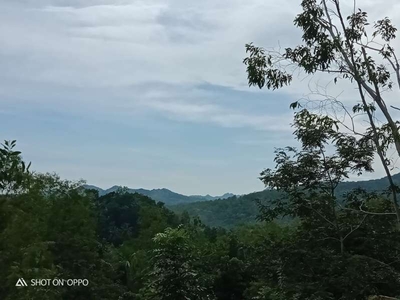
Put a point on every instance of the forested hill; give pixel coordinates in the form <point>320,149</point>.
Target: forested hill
<point>243,210</point>
<point>161,195</point>
<point>368,185</point>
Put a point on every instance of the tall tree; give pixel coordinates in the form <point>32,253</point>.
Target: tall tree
<point>309,177</point>
<point>345,47</point>
<point>173,276</point>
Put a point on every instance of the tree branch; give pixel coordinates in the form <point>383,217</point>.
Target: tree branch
<point>354,229</point>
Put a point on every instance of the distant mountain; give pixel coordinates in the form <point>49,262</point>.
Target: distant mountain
<point>162,195</point>
<point>238,210</point>
<point>209,197</point>
<point>229,210</point>
<point>368,185</point>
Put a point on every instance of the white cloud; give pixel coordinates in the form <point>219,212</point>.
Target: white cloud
<point>115,59</point>
<point>224,117</point>
<point>117,45</point>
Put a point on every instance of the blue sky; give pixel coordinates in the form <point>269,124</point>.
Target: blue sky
<point>145,94</point>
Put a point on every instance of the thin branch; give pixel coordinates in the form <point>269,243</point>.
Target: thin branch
<point>329,238</point>
<point>354,229</point>
<point>323,217</point>
<point>360,210</point>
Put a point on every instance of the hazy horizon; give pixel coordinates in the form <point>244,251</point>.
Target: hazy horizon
<point>213,195</point>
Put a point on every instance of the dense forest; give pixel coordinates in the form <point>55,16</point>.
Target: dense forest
<point>227,213</point>
<point>316,236</point>
<point>130,247</point>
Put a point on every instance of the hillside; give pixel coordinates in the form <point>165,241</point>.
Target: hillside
<point>162,195</point>
<point>243,210</point>
<point>226,212</point>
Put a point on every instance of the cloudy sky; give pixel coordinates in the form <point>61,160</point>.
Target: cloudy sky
<point>147,93</point>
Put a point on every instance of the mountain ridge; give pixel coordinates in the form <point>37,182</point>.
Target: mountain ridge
<point>162,194</point>
<point>243,209</point>
<point>171,198</point>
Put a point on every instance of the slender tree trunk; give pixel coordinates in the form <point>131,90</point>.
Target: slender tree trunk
<point>341,245</point>
<point>381,156</point>
<point>350,61</point>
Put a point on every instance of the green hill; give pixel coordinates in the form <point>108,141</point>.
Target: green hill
<point>243,210</point>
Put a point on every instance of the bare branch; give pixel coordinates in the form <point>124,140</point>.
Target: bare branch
<point>320,215</point>
<point>354,229</point>
<point>360,210</point>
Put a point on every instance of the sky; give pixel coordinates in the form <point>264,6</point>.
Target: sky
<point>148,94</point>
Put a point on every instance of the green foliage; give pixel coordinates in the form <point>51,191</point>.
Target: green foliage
<point>13,172</point>
<point>51,233</point>
<point>131,247</point>
<point>260,72</point>
<point>327,47</point>
<point>173,276</point>
<point>228,212</point>
<point>119,214</point>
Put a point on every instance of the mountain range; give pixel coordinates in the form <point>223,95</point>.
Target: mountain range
<point>163,195</point>
<point>230,210</point>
